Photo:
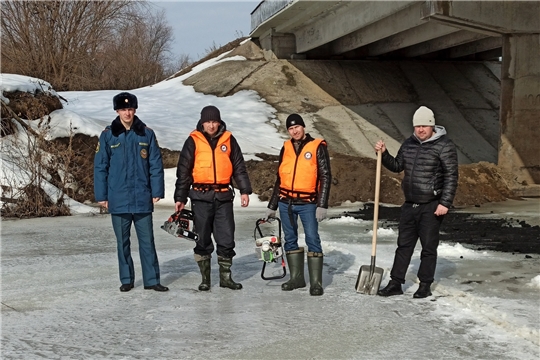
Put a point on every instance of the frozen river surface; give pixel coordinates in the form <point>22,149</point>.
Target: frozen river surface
<point>60,300</point>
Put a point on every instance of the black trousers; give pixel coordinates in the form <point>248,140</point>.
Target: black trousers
<point>417,221</point>
<point>214,218</point>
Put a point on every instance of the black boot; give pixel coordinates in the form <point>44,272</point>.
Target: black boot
<point>204,266</point>
<point>423,291</point>
<point>295,260</point>
<point>393,288</point>
<point>126,287</point>
<point>157,287</point>
<point>225,279</point>
<point>315,266</point>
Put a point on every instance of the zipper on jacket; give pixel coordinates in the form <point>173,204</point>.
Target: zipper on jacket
<point>413,169</point>
<point>302,144</point>
<point>214,162</point>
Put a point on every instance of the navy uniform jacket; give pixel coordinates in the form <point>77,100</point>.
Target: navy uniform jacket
<point>128,169</point>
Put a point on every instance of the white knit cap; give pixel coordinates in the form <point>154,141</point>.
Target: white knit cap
<point>423,117</point>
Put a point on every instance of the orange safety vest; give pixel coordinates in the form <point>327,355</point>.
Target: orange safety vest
<point>298,173</point>
<point>212,167</point>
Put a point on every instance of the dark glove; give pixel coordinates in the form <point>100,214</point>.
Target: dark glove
<point>320,214</point>
<point>270,213</point>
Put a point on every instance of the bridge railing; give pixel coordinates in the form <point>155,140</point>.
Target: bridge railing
<point>265,10</point>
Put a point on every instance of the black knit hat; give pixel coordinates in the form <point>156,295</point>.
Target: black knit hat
<point>124,100</point>
<point>294,119</point>
<point>209,113</point>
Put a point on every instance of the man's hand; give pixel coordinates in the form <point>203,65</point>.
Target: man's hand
<point>380,146</point>
<point>105,204</point>
<point>179,206</point>
<point>441,210</point>
<point>320,214</point>
<point>244,200</point>
<point>155,200</point>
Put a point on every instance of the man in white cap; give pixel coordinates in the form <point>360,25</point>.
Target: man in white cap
<point>429,160</point>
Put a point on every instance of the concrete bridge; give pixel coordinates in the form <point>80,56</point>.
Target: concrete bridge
<point>507,33</point>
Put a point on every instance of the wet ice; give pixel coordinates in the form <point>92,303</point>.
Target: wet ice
<point>60,299</point>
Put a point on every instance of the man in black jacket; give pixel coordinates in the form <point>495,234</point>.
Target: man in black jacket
<point>429,160</point>
<point>209,159</point>
<point>301,190</point>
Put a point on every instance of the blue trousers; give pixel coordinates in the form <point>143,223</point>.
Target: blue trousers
<point>309,222</point>
<point>147,249</point>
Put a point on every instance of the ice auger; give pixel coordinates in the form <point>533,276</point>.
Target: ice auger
<point>268,248</point>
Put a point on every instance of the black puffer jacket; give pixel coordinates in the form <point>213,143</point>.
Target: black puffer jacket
<point>186,161</point>
<point>431,168</point>
<point>323,173</point>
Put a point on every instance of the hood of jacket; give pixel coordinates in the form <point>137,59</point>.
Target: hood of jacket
<point>438,131</point>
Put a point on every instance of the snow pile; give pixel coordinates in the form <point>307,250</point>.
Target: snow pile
<point>535,282</point>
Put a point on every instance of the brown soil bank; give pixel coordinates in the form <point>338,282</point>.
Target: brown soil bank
<point>354,180</point>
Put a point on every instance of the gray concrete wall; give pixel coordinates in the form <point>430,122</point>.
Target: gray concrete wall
<point>354,103</point>
<point>464,97</point>
<point>519,150</point>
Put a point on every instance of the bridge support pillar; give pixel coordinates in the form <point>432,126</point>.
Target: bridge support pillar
<point>519,145</point>
<point>278,45</point>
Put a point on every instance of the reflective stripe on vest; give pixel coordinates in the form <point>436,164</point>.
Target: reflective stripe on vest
<point>212,167</point>
<point>298,174</point>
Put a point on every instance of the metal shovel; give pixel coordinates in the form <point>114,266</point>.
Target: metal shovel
<point>369,277</point>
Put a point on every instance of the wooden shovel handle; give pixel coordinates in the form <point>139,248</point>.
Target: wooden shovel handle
<point>376,205</point>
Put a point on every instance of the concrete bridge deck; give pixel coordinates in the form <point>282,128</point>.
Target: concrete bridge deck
<point>436,31</point>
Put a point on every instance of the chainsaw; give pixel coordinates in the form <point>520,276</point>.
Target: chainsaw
<point>268,248</point>
<point>180,224</point>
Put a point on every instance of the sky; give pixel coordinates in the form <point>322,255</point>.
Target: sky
<point>60,295</point>
<point>199,25</point>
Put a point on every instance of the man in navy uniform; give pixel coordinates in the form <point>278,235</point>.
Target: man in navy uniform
<point>128,181</point>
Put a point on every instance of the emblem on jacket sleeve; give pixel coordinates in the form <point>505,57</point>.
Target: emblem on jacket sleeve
<point>308,155</point>
<point>144,153</point>
<point>97,147</point>
<point>224,148</point>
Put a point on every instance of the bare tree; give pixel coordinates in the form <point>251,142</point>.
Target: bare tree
<point>139,53</point>
<point>183,61</point>
<point>85,45</point>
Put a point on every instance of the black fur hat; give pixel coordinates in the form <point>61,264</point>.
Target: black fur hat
<point>124,100</point>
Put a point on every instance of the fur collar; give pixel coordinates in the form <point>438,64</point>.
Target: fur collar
<point>118,128</point>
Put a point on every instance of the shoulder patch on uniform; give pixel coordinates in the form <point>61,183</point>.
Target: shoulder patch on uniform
<point>97,147</point>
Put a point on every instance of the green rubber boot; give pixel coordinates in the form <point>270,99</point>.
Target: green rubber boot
<point>204,266</point>
<point>225,279</point>
<point>295,260</point>
<point>315,266</point>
